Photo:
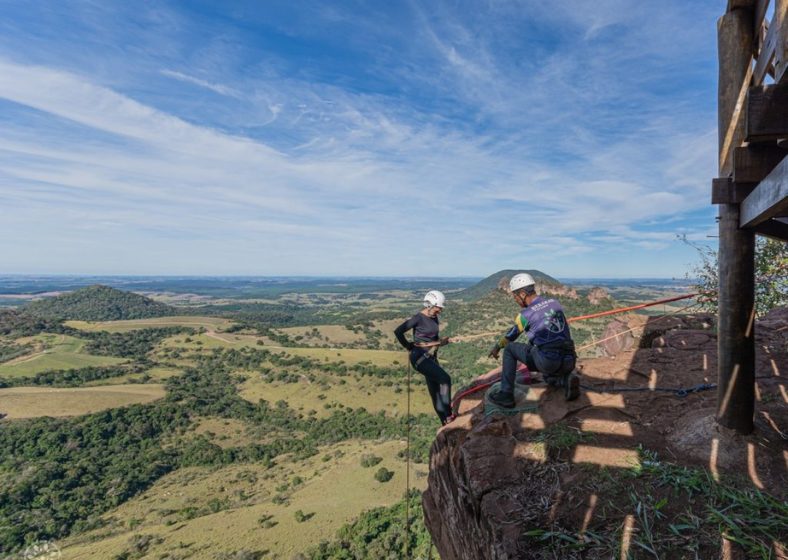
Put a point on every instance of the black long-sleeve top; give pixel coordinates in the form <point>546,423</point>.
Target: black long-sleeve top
<point>425,329</point>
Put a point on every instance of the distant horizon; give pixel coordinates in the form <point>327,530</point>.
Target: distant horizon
<point>316,277</point>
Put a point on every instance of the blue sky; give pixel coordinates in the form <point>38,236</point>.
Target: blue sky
<point>356,138</point>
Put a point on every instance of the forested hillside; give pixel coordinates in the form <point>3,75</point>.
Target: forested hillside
<point>99,303</point>
<point>489,284</point>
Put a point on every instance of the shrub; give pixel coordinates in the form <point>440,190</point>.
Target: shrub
<point>383,474</point>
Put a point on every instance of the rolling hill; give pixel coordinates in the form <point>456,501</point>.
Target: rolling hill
<point>484,287</point>
<point>99,303</point>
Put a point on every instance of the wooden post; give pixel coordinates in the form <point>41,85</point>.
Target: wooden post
<point>736,296</point>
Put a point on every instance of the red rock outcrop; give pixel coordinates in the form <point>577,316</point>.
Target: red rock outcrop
<point>492,480</point>
<point>596,295</point>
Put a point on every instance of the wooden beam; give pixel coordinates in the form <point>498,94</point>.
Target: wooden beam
<point>739,4</point>
<point>780,22</point>
<point>761,6</point>
<point>767,113</point>
<point>776,228</point>
<point>765,56</point>
<point>768,200</point>
<point>725,191</point>
<point>751,164</point>
<point>736,256</point>
<point>734,47</point>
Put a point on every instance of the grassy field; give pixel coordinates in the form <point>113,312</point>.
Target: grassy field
<point>32,402</point>
<point>210,323</point>
<point>368,392</point>
<point>333,492</point>
<point>54,351</point>
<point>348,355</point>
<point>339,334</point>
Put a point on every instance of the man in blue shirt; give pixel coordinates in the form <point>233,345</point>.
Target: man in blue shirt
<point>549,348</point>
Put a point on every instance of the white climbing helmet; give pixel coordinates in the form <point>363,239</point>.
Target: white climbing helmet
<point>434,298</point>
<point>520,281</point>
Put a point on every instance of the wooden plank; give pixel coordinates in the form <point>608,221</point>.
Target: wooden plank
<point>725,191</point>
<point>734,48</point>
<point>780,21</point>
<point>767,113</point>
<point>751,164</point>
<point>761,6</point>
<point>775,228</point>
<point>765,56</point>
<point>768,200</point>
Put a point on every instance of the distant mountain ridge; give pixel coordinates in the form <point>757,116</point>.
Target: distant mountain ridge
<point>99,303</point>
<point>492,282</point>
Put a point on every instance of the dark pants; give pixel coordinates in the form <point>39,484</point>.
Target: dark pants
<point>553,369</point>
<point>438,384</point>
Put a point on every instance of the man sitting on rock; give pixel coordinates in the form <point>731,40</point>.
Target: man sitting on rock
<point>549,348</point>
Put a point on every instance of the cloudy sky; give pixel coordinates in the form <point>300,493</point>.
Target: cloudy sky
<point>396,138</point>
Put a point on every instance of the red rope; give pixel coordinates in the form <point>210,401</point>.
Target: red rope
<point>464,394</point>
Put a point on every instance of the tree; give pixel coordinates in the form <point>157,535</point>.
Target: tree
<point>771,275</point>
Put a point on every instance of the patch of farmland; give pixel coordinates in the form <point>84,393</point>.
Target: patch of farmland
<point>32,402</point>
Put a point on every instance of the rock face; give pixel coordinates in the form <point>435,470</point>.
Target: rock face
<point>559,290</point>
<point>596,295</point>
<point>493,479</point>
<point>616,338</point>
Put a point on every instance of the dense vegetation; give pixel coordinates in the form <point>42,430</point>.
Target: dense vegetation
<point>771,273</point>
<point>15,324</point>
<point>60,474</point>
<point>73,377</point>
<point>132,344</point>
<point>99,303</point>
<point>378,533</point>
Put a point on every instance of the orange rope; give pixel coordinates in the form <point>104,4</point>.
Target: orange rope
<point>596,343</point>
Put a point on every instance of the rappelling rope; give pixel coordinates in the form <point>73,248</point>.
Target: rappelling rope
<point>407,463</point>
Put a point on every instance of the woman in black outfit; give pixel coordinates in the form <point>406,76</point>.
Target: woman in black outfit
<point>424,352</point>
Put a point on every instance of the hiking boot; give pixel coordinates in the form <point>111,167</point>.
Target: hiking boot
<point>449,419</point>
<point>572,386</point>
<point>504,400</point>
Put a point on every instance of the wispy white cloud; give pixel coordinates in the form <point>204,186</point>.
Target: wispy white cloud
<point>218,88</point>
<point>543,144</point>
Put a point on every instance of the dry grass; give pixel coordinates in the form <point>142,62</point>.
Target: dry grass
<point>210,323</point>
<point>32,402</point>
<point>367,393</point>
<point>335,491</point>
<point>220,340</point>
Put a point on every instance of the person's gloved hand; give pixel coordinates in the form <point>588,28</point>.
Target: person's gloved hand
<point>494,352</point>
<point>444,341</point>
<point>410,346</point>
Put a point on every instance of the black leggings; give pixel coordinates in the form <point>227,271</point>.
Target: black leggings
<point>438,384</point>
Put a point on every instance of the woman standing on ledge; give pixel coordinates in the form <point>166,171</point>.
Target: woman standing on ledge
<point>424,352</point>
